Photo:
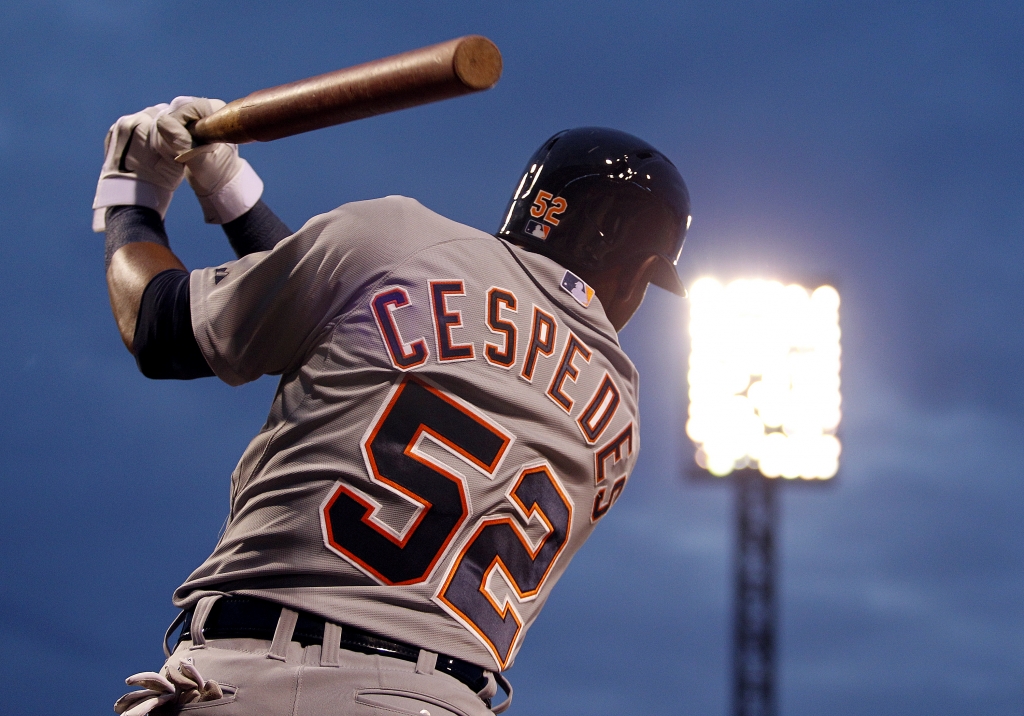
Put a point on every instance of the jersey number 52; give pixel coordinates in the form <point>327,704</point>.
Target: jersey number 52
<point>417,411</point>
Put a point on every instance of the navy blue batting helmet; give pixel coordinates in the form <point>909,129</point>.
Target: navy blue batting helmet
<point>593,197</point>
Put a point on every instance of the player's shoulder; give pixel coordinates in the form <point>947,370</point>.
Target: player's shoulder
<point>367,241</point>
<point>399,219</point>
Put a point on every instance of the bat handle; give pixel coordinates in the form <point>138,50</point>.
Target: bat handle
<point>198,147</point>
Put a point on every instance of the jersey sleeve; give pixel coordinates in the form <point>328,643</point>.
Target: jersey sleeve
<point>266,312</point>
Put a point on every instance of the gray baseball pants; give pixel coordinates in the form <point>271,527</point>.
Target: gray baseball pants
<point>283,678</point>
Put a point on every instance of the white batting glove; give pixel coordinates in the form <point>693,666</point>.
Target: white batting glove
<point>184,686</point>
<point>134,171</point>
<point>156,691</point>
<point>224,183</point>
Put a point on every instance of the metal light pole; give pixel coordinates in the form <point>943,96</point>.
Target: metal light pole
<point>754,613</point>
<point>764,409</point>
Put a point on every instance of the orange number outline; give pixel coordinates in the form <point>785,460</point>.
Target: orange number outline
<point>540,204</point>
<point>558,206</point>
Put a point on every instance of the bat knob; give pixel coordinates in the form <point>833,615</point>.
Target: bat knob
<point>194,152</point>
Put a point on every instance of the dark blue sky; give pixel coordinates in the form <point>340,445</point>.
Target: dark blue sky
<point>875,145</point>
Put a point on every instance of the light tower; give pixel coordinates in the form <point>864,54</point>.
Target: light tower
<point>764,410</point>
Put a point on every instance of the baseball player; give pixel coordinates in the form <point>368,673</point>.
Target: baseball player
<point>454,413</point>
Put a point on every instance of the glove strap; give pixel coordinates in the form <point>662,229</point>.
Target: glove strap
<point>234,198</point>
<point>127,191</point>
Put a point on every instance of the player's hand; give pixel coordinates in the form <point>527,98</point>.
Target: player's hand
<point>182,686</point>
<point>134,171</point>
<point>224,183</point>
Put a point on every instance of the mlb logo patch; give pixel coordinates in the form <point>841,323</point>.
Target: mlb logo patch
<point>577,288</point>
<point>537,229</point>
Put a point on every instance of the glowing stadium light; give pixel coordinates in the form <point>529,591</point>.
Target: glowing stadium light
<point>764,378</point>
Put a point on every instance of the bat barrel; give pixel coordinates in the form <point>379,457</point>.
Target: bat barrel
<point>460,66</point>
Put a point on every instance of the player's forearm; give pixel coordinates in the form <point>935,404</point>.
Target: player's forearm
<point>258,229</point>
<point>137,250</point>
<point>149,290</point>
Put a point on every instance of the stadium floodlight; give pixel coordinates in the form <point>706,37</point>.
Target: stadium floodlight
<point>764,378</point>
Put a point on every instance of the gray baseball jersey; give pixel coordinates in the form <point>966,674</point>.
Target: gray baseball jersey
<point>454,416</point>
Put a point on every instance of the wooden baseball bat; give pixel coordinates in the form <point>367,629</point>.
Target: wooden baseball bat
<point>449,69</point>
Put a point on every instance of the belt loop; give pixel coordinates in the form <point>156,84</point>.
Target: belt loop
<point>330,649</point>
<point>167,634</point>
<point>426,662</point>
<point>283,634</point>
<point>507,688</point>
<point>199,615</point>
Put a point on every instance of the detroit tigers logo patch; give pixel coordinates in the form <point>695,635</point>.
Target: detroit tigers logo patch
<point>577,288</point>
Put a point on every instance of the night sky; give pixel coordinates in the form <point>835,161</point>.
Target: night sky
<point>875,146</point>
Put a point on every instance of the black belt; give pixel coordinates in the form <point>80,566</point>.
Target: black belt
<point>250,618</point>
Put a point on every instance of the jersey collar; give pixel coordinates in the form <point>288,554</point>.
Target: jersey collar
<point>555,282</point>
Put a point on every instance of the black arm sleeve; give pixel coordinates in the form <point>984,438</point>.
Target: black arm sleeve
<point>258,229</point>
<point>128,224</point>
<point>165,346</point>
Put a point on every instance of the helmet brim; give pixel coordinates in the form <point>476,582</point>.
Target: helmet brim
<point>664,276</point>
